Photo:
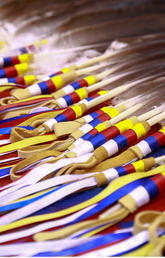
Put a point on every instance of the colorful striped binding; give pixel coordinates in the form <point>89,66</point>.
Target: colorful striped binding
<point>114,130</point>
<point>14,71</point>
<point>150,188</point>
<point>56,82</point>
<point>137,166</point>
<point>72,98</point>
<point>35,47</point>
<point>22,80</point>
<point>109,143</point>
<point>64,70</point>
<point>126,139</point>
<point>85,82</point>
<point>71,113</point>
<point>13,60</point>
<point>47,86</point>
<point>150,144</point>
<point>96,119</point>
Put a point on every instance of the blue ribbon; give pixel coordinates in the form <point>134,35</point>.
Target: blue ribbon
<point>13,118</point>
<point>7,130</point>
<point>5,172</point>
<point>21,204</point>
<point>116,195</point>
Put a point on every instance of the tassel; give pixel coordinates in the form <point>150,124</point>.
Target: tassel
<point>129,203</point>
<point>101,178</point>
<point>116,184</point>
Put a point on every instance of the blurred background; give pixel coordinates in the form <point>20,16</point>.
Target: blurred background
<point>78,22</point>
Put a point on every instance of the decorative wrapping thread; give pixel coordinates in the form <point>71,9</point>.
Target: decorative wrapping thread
<point>114,130</point>
<point>111,147</point>
<point>93,96</point>
<point>73,132</point>
<point>46,86</point>
<point>137,166</point>
<point>14,71</point>
<point>29,80</point>
<point>85,82</point>
<point>72,98</point>
<point>93,115</point>
<point>32,48</point>
<point>150,144</point>
<point>13,60</point>
<point>126,139</point>
<point>64,70</point>
<point>61,129</point>
<point>22,80</point>
<point>100,116</point>
<point>97,140</point>
<point>142,195</point>
<point>131,154</point>
<point>76,96</point>
<point>69,114</point>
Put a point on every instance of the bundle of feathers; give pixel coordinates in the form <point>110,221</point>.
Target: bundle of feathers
<point>88,24</point>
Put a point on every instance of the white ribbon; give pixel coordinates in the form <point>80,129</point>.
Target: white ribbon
<point>47,200</point>
<point>43,185</point>
<point>39,172</point>
<point>124,247</point>
<point>29,249</point>
<point>44,226</point>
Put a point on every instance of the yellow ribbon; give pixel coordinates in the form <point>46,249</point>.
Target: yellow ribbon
<point>27,142</point>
